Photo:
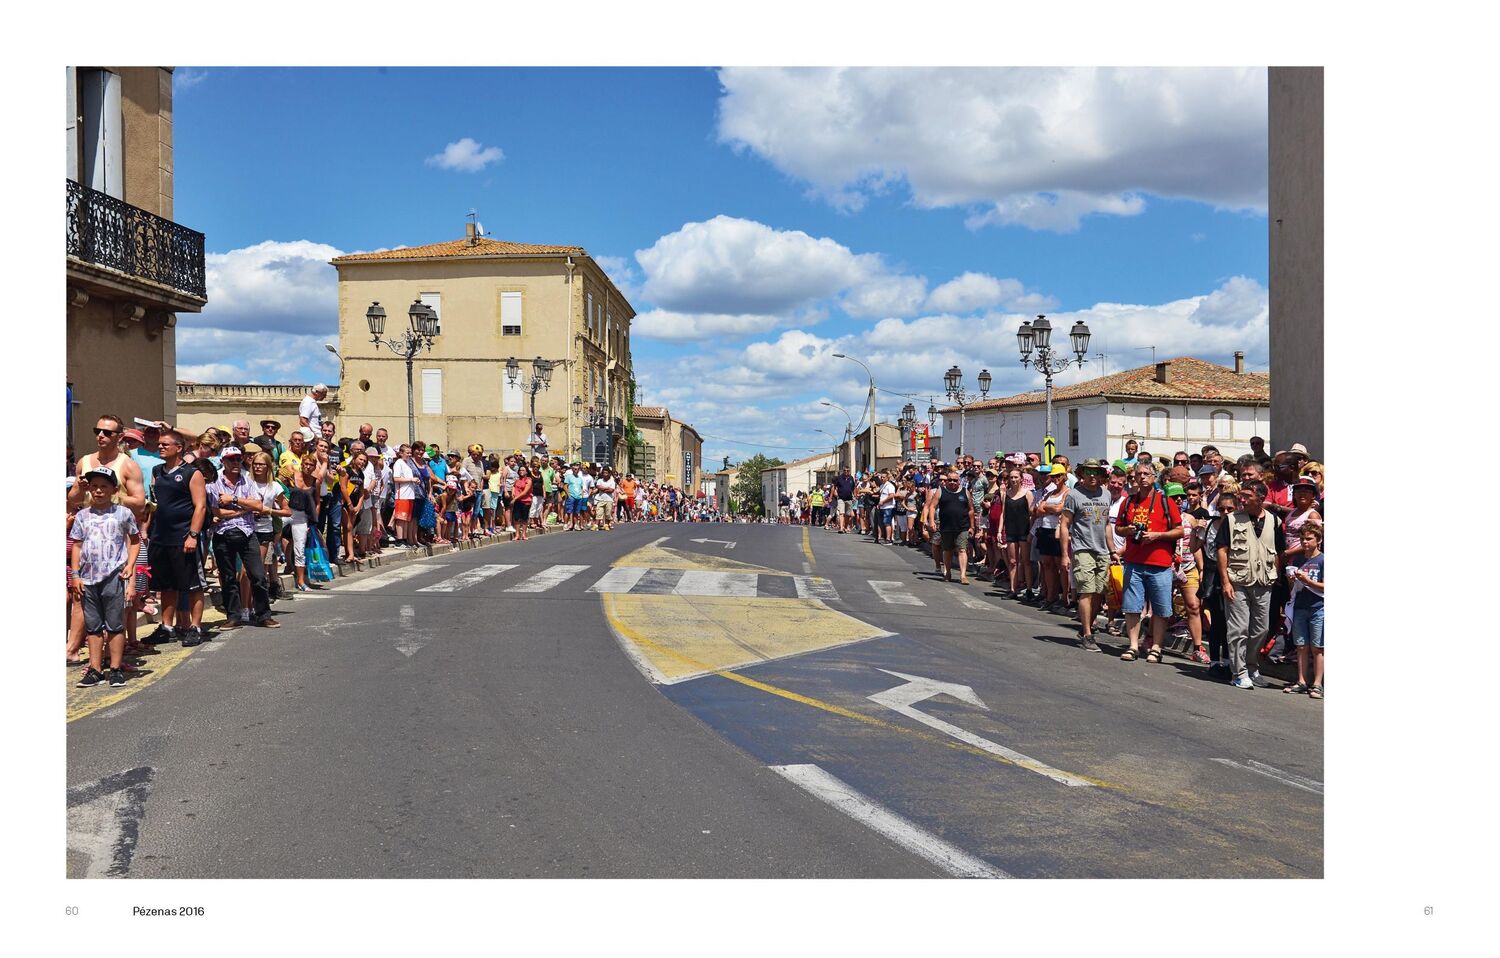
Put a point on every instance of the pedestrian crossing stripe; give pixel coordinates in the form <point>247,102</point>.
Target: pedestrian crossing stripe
<point>467,578</point>
<point>548,578</point>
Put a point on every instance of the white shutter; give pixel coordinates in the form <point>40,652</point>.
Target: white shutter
<point>434,301</point>
<point>510,395</point>
<point>589,312</point>
<point>510,314</point>
<point>432,392</point>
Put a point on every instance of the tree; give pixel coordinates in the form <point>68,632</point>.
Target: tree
<point>746,489</point>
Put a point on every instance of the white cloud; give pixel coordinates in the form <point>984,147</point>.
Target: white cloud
<point>185,78</point>
<point>273,286</point>
<point>1240,301</point>
<point>733,266</point>
<point>625,277</point>
<point>689,327</point>
<point>1036,147</point>
<point>466,156</point>
<point>886,295</point>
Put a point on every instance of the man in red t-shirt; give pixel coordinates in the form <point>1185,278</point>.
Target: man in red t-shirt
<point>1151,524</point>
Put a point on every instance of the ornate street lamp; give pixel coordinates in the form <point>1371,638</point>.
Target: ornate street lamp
<point>423,328</point>
<point>1038,335</point>
<point>953,383</point>
<point>540,379</point>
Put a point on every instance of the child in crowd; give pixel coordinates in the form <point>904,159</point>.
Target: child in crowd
<point>106,542</point>
<point>1307,610</point>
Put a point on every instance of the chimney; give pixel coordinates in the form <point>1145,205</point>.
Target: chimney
<point>1164,372</point>
<point>1239,361</point>
<point>472,232</point>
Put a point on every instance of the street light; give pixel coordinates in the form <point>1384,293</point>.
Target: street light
<point>870,407</point>
<point>540,379</point>
<point>848,430</point>
<point>418,336</point>
<point>1038,335</point>
<point>953,382</point>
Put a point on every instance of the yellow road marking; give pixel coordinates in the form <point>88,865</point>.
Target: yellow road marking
<point>807,549</point>
<point>657,557</point>
<point>85,702</point>
<point>689,662</point>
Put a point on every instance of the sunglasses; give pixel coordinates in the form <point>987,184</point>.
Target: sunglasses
<point>106,432</point>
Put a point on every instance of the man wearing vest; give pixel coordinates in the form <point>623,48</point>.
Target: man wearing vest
<point>1150,524</point>
<point>1248,547</point>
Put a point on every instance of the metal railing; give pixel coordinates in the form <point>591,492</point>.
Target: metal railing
<point>110,232</point>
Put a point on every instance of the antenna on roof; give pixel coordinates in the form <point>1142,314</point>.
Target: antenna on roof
<point>1153,352</point>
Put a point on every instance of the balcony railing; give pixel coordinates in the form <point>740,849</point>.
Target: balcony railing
<point>110,232</point>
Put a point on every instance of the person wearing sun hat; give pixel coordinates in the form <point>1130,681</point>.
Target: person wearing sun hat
<point>1047,515</point>
<point>1084,532</point>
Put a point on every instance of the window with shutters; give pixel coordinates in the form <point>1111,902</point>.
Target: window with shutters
<point>103,132</point>
<point>1221,424</point>
<point>1158,423</point>
<point>588,313</point>
<point>432,392</point>
<point>510,313</point>
<point>434,302</point>
<point>1073,427</point>
<point>510,394</point>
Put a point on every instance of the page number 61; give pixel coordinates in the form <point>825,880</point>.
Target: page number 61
<point>1427,910</point>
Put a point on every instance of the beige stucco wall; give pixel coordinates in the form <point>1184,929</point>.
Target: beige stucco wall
<point>671,439</point>
<point>121,371</point>
<point>203,406</point>
<point>1296,237</point>
<point>471,350</point>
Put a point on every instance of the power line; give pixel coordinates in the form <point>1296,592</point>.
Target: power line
<point>760,445</point>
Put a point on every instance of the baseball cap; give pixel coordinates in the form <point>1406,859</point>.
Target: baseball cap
<point>1174,489</point>
<point>1122,464</point>
<point>1305,483</point>
<point>135,434</point>
<point>103,472</point>
<point>231,452</point>
<point>1207,471</point>
<point>1056,469</point>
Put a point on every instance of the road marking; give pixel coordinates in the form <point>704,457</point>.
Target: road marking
<point>905,833</point>
<point>718,542</point>
<point>1286,778</point>
<point>104,821</point>
<point>815,587</point>
<point>382,579</point>
<point>973,602</point>
<point>467,578</point>
<point>621,579</point>
<point>894,593</point>
<point>407,642</point>
<point>738,585</point>
<point>903,699</point>
<point>548,578</point>
<point>807,550</point>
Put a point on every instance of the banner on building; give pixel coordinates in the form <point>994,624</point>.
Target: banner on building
<point>918,443</point>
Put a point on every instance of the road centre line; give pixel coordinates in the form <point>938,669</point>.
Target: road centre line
<point>467,578</point>
<point>548,578</point>
<point>807,550</point>
<point>1285,778</point>
<point>626,632</point>
<point>905,833</point>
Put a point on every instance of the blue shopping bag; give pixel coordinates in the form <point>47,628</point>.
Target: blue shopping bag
<point>318,569</point>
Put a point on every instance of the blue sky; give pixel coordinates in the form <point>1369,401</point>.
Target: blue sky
<point>759,220</point>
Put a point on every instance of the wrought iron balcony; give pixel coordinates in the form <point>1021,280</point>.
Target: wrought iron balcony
<point>109,232</point>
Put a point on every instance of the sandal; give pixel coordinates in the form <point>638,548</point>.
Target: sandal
<point>1154,655</point>
<point>1315,691</point>
<point>1296,689</point>
<point>1128,655</point>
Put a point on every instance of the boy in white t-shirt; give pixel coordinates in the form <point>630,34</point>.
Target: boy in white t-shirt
<point>106,542</point>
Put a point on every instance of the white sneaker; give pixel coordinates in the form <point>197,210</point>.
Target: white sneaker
<point>510,529</point>
<point>1243,682</point>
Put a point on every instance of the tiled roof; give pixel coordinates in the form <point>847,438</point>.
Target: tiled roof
<point>1188,379</point>
<point>461,247</point>
<point>650,412</point>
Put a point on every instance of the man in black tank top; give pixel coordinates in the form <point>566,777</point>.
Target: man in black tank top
<point>950,513</point>
<point>173,554</point>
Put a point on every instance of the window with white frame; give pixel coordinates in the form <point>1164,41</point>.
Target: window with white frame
<point>1221,424</point>
<point>432,392</point>
<point>510,394</point>
<point>1158,423</point>
<point>1073,427</point>
<point>588,312</point>
<point>434,302</point>
<point>510,313</point>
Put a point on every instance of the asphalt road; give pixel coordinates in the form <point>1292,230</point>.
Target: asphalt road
<point>705,711</point>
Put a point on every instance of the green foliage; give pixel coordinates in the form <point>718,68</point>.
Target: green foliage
<point>745,493</point>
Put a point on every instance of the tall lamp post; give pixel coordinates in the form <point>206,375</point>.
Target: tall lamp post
<point>419,336</point>
<point>1038,335</point>
<point>540,378</point>
<point>907,421</point>
<point>848,430</point>
<point>870,409</point>
<point>953,385</point>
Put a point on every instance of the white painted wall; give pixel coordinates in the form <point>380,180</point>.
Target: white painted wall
<point>1104,428</point>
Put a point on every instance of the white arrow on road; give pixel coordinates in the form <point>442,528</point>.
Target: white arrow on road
<point>407,642</point>
<point>903,699</point>
<point>720,542</point>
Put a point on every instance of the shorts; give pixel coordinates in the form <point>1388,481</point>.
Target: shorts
<point>403,510</point>
<point>955,541</point>
<point>630,504</point>
<point>264,537</point>
<point>884,517</point>
<point>1307,627</point>
<point>538,506</point>
<point>846,506</point>
<point>173,570</point>
<point>366,523</point>
<point>1090,572</point>
<point>601,510</point>
<point>1047,543</point>
<point>104,606</point>
<point>450,517</point>
<point>577,506</point>
<point>142,578</point>
<point>1148,584</point>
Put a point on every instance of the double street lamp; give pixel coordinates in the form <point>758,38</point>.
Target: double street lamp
<point>870,411</point>
<point>596,414</point>
<point>1038,335</point>
<point>424,325</point>
<point>958,394</point>
<point>848,429</point>
<point>540,378</point>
